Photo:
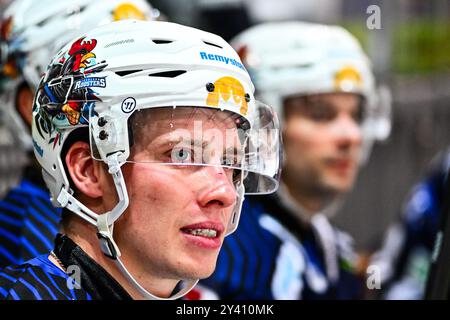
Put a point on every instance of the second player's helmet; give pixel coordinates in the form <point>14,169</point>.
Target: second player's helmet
<point>297,58</point>
<point>112,80</point>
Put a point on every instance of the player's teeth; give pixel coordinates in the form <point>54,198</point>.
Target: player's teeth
<point>209,233</point>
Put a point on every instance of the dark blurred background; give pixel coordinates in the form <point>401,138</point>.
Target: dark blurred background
<point>410,53</point>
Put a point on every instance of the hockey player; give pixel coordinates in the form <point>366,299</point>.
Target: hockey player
<point>33,31</point>
<point>158,137</point>
<point>319,80</point>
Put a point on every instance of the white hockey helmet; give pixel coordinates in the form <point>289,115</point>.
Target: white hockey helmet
<point>298,58</point>
<point>33,31</point>
<point>117,74</point>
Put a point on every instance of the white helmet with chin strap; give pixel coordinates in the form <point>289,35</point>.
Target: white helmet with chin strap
<point>110,79</point>
<point>297,58</point>
<point>33,31</point>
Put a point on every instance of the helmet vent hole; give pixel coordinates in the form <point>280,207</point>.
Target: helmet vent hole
<point>75,10</point>
<point>168,74</point>
<point>44,22</point>
<point>126,72</point>
<point>212,44</point>
<point>54,167</point>
<point>161,41</point>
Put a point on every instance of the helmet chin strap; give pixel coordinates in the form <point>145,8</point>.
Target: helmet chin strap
<point>236,214</point>
<point>189,285</point>
<point>105,225</point>
<point>234,221</point>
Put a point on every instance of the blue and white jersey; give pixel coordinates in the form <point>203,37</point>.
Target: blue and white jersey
<point>404,259</point>
<point>273,255</point>
<point>28,221</point>
<point>38,279</point>
<point>41,279</point>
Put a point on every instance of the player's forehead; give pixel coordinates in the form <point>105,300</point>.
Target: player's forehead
<point>186,117</point>
<point>159,122</point>
<point>334,99</point>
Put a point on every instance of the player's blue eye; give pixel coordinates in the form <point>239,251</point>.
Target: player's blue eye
<point>181,155</point>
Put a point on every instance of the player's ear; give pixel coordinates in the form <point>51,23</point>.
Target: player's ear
<point>24,103</point>
<point>84,170</point>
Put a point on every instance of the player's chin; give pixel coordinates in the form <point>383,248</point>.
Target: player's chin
<point>205,273</point>
<point>340,184</point>
<point>200,268</point>
<point>199,273</point>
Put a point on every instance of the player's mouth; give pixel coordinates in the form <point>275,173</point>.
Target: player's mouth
<point>204,234</point>
<point>207,233</point>
<point>343,165</point>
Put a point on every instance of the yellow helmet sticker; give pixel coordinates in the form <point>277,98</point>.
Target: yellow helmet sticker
<point>227,87</point>
<point>128,10</point>
<point>347,79</point>
<point>10,70</point>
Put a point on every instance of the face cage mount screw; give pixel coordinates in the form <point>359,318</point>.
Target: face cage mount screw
<point>103,135</point>
<point>102,122</point>
<point>210,87</point>
<point>247,97</point>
